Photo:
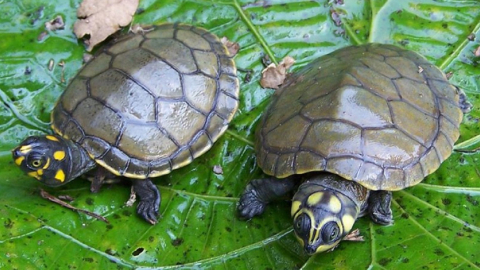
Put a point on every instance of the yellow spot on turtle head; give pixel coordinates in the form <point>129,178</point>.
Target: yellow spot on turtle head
<point>315,198</point>
<point>348,222</point>
<point>60,175</point>
<point>40,172</point>
<point>25,149</point>
<point>19,160</point>
<point>334,204</point>
<point>59,155</point>
<point>295,206</point>
<point>34,174</point>
<point>52,138</point>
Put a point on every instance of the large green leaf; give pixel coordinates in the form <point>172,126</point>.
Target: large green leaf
<point>437,223</point>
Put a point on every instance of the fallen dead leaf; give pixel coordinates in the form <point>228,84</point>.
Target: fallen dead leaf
<point>55,24</point>
<point>100,19</point>
<point>233,47</point>
<point>140,29</point>
<point>477,52</point>
<point>273,76</point>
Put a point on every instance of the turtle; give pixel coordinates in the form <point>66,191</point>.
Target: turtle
<point>148,103</point>
<point>345,131</point>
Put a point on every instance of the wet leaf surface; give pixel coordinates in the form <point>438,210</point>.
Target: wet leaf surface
<point>437,223</point>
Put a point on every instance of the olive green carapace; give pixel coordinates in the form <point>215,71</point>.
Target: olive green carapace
<point>151,102</point>
<point>379,115</point>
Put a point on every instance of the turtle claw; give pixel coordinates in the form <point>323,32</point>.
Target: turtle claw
<point>250,204</point>
<point>149,203</point>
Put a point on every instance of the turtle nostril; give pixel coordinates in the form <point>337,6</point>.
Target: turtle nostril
<point>310,249</point>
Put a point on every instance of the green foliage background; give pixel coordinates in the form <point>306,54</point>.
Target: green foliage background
<point>437,222</point>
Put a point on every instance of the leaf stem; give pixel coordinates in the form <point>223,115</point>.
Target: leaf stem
<point>255,32</point>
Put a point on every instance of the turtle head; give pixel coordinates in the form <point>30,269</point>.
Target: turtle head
<point>45,158</point>
<point>322,217</point>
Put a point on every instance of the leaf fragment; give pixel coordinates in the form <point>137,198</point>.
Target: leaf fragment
<point>100,19</point>
<point>233,47</point>
<point>273,76</point>
<point>55,24</point>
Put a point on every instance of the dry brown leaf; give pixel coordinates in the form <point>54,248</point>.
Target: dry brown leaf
<point>55,24</point>
<point>100,19</point>
<point>477,52</point>
<point>233,47</point>
<point>273,76</point>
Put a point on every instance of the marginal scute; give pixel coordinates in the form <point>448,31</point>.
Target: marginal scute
<point>96,147</point>
<point>116,159</point>
<point>306,160</point>
<point>430,161</point>
<point>201,144</point>
<point>370,174</point>
<point>101,63</point>
<point>344,167</point>
<point>193,40</point>
<point>126,45</point>
<point>287,161</point>
<point>413,175</point>
<point>78,93</point>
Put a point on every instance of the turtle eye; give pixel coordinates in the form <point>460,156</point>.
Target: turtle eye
<point>330,232</point>
<point>35,161</point>
<point>302,226</point>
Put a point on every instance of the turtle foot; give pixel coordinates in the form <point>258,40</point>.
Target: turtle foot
<point>149,203</point>
<point>250,204</point>
<point>379,207</point>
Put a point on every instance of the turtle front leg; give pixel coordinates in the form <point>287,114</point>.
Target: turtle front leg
<point>379,203</point>
<point>149,203</point>
<point>260,192</point>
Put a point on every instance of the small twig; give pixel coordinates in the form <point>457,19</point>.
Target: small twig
<point>56,200</point>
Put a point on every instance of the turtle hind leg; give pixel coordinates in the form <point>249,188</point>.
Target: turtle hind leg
<point>149,203</point>
<point>260,192</point>
<point>379,203</point>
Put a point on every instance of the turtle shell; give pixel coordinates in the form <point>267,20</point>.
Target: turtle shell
<point>152,101</point>
<point>377,114</point>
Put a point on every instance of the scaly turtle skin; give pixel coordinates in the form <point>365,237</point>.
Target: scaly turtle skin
<point>352,126</point>
<point>146,105</point>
